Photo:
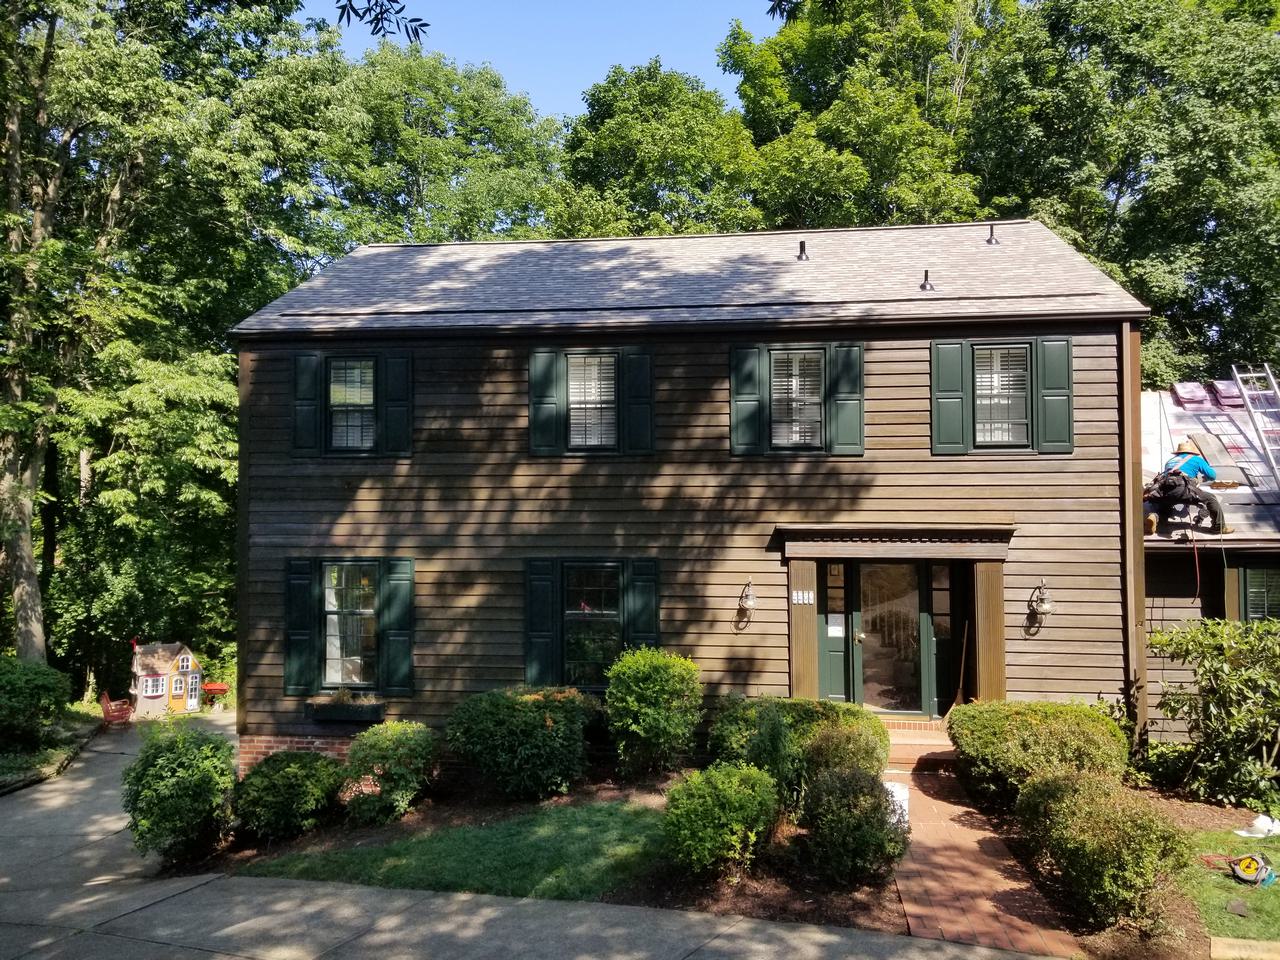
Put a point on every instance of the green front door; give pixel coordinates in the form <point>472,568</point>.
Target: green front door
<point>876,633</point>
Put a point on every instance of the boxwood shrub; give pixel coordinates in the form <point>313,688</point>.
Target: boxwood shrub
<point>1111,848</point>
<point>717,817</point>
<point>856,831</point>
<point>287,794</point>
<point>835,746</point>
<point>529,742</point>
<point>177,791</point>
<point>653,704</point>
<point>32,696</point>
<point>1001,744</point>
<point>389,764</point>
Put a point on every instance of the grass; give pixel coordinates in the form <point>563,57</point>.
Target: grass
<point>556,853</point>
<point>60,740</point>
<point>1212,890</point>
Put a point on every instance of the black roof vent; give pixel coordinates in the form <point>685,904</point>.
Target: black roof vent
<point>926,285</point>
<point>991,237</point>
<point>802,255</point>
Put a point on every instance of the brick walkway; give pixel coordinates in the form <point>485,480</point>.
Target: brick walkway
<point>959,882</point>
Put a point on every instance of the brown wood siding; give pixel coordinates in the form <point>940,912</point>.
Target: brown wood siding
<point>989,630</point>
<point>804,628</point>
<point>472,503</point>
<point>1171,602</point>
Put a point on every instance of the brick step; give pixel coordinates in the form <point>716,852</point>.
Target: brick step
<point>920,750</point>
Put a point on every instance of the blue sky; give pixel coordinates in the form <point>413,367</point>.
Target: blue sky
<point>554,50</point>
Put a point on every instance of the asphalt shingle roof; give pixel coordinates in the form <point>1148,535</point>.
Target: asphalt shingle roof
<point>856,274</point>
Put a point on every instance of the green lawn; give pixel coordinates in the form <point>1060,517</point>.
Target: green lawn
<point>555,853</point>
<point>1212,890</point>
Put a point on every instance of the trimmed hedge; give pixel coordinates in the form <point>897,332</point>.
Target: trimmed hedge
<point>716,817</point>
<point>833,747</point>
<point>653,704</point>
<point>529,742</point>
<point>32,696</point>
<point>288,793</point>
<point>389,764</point>
<point>1002,743</point>
<point>856,830</point>
<point>178,791</point>
<point>1111,848</point>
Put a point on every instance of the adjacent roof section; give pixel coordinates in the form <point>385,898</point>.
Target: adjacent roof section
<point>858,274</point>
<point>155,658</point>
<point>1220,428</point>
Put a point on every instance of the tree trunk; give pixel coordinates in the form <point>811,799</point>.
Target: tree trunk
<point>50,517</point>
<point>28,609</point>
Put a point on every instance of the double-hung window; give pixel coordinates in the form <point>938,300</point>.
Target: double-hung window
<point>795,398</point>
<point>350,624</point>
<point>352,405</point>
<point>1013,395</point>
<point>351,411</point>
<point>590,401</point>
<point>580,614</point>
<point>593,401</point>
<point>1261,588</point>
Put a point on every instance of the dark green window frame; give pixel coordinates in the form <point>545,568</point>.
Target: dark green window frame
<point>392,404</point>
<point>305,633</point>
<point>1050,406</point>
<point>548,621</point>
<point>750,399</point>
<point>1260,593</point>
<point>549,407</point>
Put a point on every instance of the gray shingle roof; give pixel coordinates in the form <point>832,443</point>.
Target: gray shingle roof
<point>855,274</point>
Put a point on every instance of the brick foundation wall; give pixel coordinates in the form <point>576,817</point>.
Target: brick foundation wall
<point>255,747</point>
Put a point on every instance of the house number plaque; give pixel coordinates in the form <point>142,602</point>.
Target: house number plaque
<point>802,596</point>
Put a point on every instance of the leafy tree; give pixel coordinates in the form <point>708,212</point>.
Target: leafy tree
<point>659,145</point>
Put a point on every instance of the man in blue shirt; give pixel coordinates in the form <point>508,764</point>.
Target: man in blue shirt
<point>1188,463</point>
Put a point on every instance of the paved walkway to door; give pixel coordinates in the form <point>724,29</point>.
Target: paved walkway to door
<point>960,883</point>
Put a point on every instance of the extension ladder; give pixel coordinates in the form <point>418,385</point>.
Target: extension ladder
<point>1261,398</point>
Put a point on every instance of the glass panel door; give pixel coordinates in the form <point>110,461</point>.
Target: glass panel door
<point>891,648</point>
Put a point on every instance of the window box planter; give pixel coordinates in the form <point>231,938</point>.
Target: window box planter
<point>328,710</point>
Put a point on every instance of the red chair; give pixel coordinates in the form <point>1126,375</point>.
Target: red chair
<point>114,711</point>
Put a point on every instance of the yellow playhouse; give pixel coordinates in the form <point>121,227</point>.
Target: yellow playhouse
<point>166,680</point>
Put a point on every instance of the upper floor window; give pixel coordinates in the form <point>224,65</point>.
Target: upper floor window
<point>593,401</point>
<point>993,395</point>
<point>352,416</point>
<point>1261,593</point>
<point>794,398</point>
<point>352,405</point>
<point>184,662</point>
<point>588,401</point>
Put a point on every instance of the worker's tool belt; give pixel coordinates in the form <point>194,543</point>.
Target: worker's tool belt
<point>1171,486</point>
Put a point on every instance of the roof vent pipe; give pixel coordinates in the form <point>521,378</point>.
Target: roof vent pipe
<point>926,285</point>
<point>991,238</point>
<point>802,255</point>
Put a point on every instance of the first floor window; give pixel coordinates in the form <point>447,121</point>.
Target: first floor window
<point>1002,396</point>
<point>592,622</point>
<point>152,686</point>
<point>178,687</point>
<point>1261,593</point>
<point>351,409</point>
<point>593,401</point>
<point>350,623</point>
<point>796,399</point>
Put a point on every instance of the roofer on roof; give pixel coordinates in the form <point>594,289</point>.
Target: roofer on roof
<point>1179,483</point>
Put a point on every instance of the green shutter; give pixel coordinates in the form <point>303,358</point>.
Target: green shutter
<point>641,610</point>
<point>395,627</point>
<point>308,404</point>
<point>301,645</point>
<point>547,402</point>
<point>1053,412</point>
<point>748,399</point>
<point>844,398</point>
<point>542,622</point>
<point>637,400</point>
<point>951,410</point>
<point>395,405</point>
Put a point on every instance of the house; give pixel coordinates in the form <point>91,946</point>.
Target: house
<point>1192,574</point>
<point>166,680</point>
<point>832,463</point>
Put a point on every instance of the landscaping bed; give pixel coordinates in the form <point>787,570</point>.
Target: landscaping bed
<point>60,741</point>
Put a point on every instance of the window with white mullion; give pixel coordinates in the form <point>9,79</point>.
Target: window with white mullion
<point>1261,593</point>
<point>795,404</point>
<point>350,624</point>
<point>1002,396</point>
<point>351,404</point>
<point>593,401</point>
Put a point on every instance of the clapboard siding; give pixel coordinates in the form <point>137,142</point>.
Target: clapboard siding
<point>1173,599</point>
<point>472,503</point>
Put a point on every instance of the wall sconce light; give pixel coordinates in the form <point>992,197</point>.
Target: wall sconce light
<point>747,600</point>
<point>1041,604</point>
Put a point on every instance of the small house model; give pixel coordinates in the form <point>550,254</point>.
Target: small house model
<point>166,680</point>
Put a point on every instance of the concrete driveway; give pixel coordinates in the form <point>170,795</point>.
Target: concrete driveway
<point>72,888</point>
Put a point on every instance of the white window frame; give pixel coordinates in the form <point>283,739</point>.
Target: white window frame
<point>153,686</point>
<point>184,662</point>
<point>178,688</point>
<point>600,407</point>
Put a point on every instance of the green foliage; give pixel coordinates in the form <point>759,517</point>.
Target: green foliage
<point>855,746</point>
<point>570,852</point>
<point>716,817</point>
<point>653,703</point>
<point>1163,765</point>
<point>1112,849</point>
<point>389,764</point>
<point>1214,890</point>
<point>1231,708</point>
<point>32,697</point>
<point>856,831</point>
<point>288,793</point>
<point>177,791</point>
<point>1002,743</point>
<point>528,741</point>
